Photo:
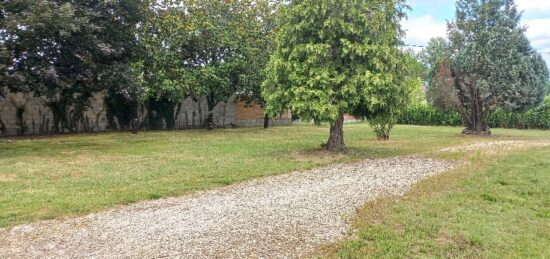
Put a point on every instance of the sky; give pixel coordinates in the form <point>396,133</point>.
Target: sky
<point>428,19</point>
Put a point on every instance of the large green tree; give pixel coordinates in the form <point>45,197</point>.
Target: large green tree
<point>67,50</point>
<point>332,55</point>
<point>492,62</point>
<point>207,48</point>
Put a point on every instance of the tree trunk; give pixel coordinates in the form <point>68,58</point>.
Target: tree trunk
<point>266,121</point>
<point>211,103</point>
<point>210,121</point>
<point>477,123</point>
<point>336,139</point>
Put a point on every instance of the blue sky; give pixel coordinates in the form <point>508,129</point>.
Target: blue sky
<point>428,19</point>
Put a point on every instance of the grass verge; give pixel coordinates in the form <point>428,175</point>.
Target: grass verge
<point>495,207</point>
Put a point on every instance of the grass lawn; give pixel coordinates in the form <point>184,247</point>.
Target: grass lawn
<point>497,206</point>
<point>72,175</point>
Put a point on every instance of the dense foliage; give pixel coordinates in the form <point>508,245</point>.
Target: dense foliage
<point>68,50</point>
<point>492,62</point>
<point>424,114</point>
<point>332,56</point>
<point>207,48</point>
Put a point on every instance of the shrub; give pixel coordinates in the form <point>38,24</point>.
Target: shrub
<point>382,126</point>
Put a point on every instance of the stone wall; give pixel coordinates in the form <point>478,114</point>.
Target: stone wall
<point>35,118</point>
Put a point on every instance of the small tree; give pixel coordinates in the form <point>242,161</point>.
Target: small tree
<point>492,62</point>
<point>386,103</point>
<point>330,56</point>
<point>440,92</point>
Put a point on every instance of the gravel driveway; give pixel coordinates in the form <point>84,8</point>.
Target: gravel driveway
<point>279,216</point>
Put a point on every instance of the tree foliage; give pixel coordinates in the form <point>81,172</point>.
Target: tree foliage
<point>207,48</point>
<point>492,61</point>
<point>441,92</point>
<point>67,50</point>
<point>331,56</point>
<point>436,51</point>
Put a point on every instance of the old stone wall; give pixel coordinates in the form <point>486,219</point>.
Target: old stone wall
<point>24,114</point>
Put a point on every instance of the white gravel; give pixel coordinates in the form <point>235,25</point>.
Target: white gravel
<point>275,217</point>
<point>504,145</point>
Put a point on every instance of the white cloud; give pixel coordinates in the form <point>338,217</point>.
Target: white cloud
<point>539,34</point>
<point>421,29</point>
<point>534,6</point>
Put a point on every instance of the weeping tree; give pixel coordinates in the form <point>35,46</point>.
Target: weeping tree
<point>330,56</point>
<point>492,62</point>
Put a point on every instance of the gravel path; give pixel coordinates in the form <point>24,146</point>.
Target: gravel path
<point>504,145</point>
<point>280,216</point>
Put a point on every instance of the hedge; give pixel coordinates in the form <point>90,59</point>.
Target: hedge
<point>424,114</point>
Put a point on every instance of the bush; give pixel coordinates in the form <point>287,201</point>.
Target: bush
<point>382,126</point>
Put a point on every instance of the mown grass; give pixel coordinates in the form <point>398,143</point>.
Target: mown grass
<point>497,206</point>
<point>59,176</point>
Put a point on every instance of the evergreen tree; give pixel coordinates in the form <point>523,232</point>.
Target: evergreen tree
<point>331,56</point>
<point>492,62</point>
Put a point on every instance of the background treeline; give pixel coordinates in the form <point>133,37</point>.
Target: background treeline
<point>144,56</point>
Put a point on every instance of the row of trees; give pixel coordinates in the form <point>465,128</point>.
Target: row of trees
<point>68,50</point>
<point>141,53</point>
<point>320,59</point>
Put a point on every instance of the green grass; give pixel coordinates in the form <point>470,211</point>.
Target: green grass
<point>496,207</point>
<point>60,176</point>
